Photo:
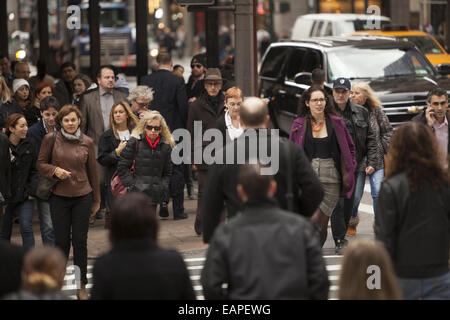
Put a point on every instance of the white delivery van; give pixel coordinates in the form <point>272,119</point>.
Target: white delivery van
<point>333,24</point>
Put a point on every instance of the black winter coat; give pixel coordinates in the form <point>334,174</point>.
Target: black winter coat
<point>153,168</point>
<point>223,179</point>
<point>7,109</point>
<point>414,227</point>
<point>107,156</point>
<point>281,249</point>
<point>137,269</point>
<point>5,168</point>
<point>36,133</point>
<point>24,176</point>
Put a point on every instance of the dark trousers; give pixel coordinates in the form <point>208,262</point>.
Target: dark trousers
<point>202,175</point>
<point>176,189</point>
<point>340,218</point>
<point>70,216</point>
<point>188,179</point>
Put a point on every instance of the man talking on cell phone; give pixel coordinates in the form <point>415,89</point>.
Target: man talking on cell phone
<point>437,116</point>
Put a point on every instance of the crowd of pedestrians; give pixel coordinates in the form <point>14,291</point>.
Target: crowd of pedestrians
<point>71,149</point>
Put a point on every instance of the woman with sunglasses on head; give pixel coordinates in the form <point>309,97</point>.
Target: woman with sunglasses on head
<point>328,145</point>
<point>149,147</point>
<point>111,144</point>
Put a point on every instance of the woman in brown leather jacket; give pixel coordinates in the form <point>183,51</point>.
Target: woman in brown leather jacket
<point>70,159</point>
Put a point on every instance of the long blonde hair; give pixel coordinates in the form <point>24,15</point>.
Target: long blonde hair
<point>132,121</point>
<point>5,93</point>
<point>353,280</point>
<point>372,100</point>
<point>154,115</point>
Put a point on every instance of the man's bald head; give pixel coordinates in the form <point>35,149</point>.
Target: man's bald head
<point>22,70</point>
<point>254,112</point>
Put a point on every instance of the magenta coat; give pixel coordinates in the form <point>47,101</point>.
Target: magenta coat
<point>346,146</point>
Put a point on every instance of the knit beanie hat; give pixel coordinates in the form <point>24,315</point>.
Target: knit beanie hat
<point>17,83</point>
<point>199,58</point>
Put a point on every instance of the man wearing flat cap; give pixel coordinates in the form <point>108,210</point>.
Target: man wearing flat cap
<point>207,108</point>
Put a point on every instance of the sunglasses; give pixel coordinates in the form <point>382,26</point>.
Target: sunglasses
<point>150,128</point>
<point>198,66</point>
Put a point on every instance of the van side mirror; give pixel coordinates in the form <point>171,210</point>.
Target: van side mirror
<point>303,78</point>
<point>443,69</point>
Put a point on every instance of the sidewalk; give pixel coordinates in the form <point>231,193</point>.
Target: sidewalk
<point>173,234</point>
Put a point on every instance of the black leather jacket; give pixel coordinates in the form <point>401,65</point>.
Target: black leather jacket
<point>362,134</point>
<point>414,226</point>
<point>280,248</point>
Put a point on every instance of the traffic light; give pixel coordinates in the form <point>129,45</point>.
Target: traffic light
<point>195,2</point>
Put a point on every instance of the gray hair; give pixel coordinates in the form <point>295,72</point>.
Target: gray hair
<point>141,92</point>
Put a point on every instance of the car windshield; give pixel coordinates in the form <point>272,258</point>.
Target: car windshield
<point>369,63</point>
<point>424,43</point>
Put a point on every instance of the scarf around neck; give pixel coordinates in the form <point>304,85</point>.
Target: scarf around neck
<point>68,136</point>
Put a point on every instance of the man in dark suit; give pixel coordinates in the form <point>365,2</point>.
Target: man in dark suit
<point>171,101</point>
<point>11,257</point>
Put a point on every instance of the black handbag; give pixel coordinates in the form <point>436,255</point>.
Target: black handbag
<point>45,185</point>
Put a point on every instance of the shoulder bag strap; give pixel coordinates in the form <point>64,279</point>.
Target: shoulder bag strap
<point>53,146</point>
<point>134,158</point>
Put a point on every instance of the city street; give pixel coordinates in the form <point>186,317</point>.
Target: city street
<point>180,235</point>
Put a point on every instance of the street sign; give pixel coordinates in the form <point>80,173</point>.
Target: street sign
<point>195,2</point>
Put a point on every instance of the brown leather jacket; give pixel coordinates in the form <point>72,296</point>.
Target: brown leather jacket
<point>78,157</point>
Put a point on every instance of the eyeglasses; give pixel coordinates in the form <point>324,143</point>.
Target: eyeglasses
<point>142,105</point>
<point>442,103</point>
<point>321,100</point>
<point>150,128</point>
<point>198,66</point>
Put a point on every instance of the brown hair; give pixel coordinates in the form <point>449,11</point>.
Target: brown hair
<point>40,86</point>
<point>131,118</point>
<point>43,269</point>
<point>65,110</point>
<point>354,277</point>
<point>304,111</point>
<point>415,150</point>
<point>133,217</point>
<point>11,122</point>
<point>253,182</point>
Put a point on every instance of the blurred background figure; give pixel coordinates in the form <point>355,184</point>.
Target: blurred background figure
<point>178,70</point>
<point>354,279</point>
<point>42,91</point>
<point>412,219</point>
<point>42,75</point>
<point>43,274</point>
<point>180,41</point>
<point>136,267</point>
<point>6,69</point>
<point>22,96</point>
<point>80,84</point>
<point>8,104</point>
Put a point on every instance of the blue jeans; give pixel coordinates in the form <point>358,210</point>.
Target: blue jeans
<point>375,179</point>
<point>437,288</point>
<point>45,220</point>
<point>25,210</point>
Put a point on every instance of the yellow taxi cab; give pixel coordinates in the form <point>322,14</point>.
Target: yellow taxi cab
<point>426,43</point>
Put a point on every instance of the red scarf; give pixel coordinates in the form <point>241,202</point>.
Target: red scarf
<point>153,145</point>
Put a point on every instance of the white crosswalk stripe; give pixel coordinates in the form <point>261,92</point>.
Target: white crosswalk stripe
<point>195,267</point>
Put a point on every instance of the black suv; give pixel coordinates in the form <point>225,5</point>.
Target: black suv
<point>398,72</point>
